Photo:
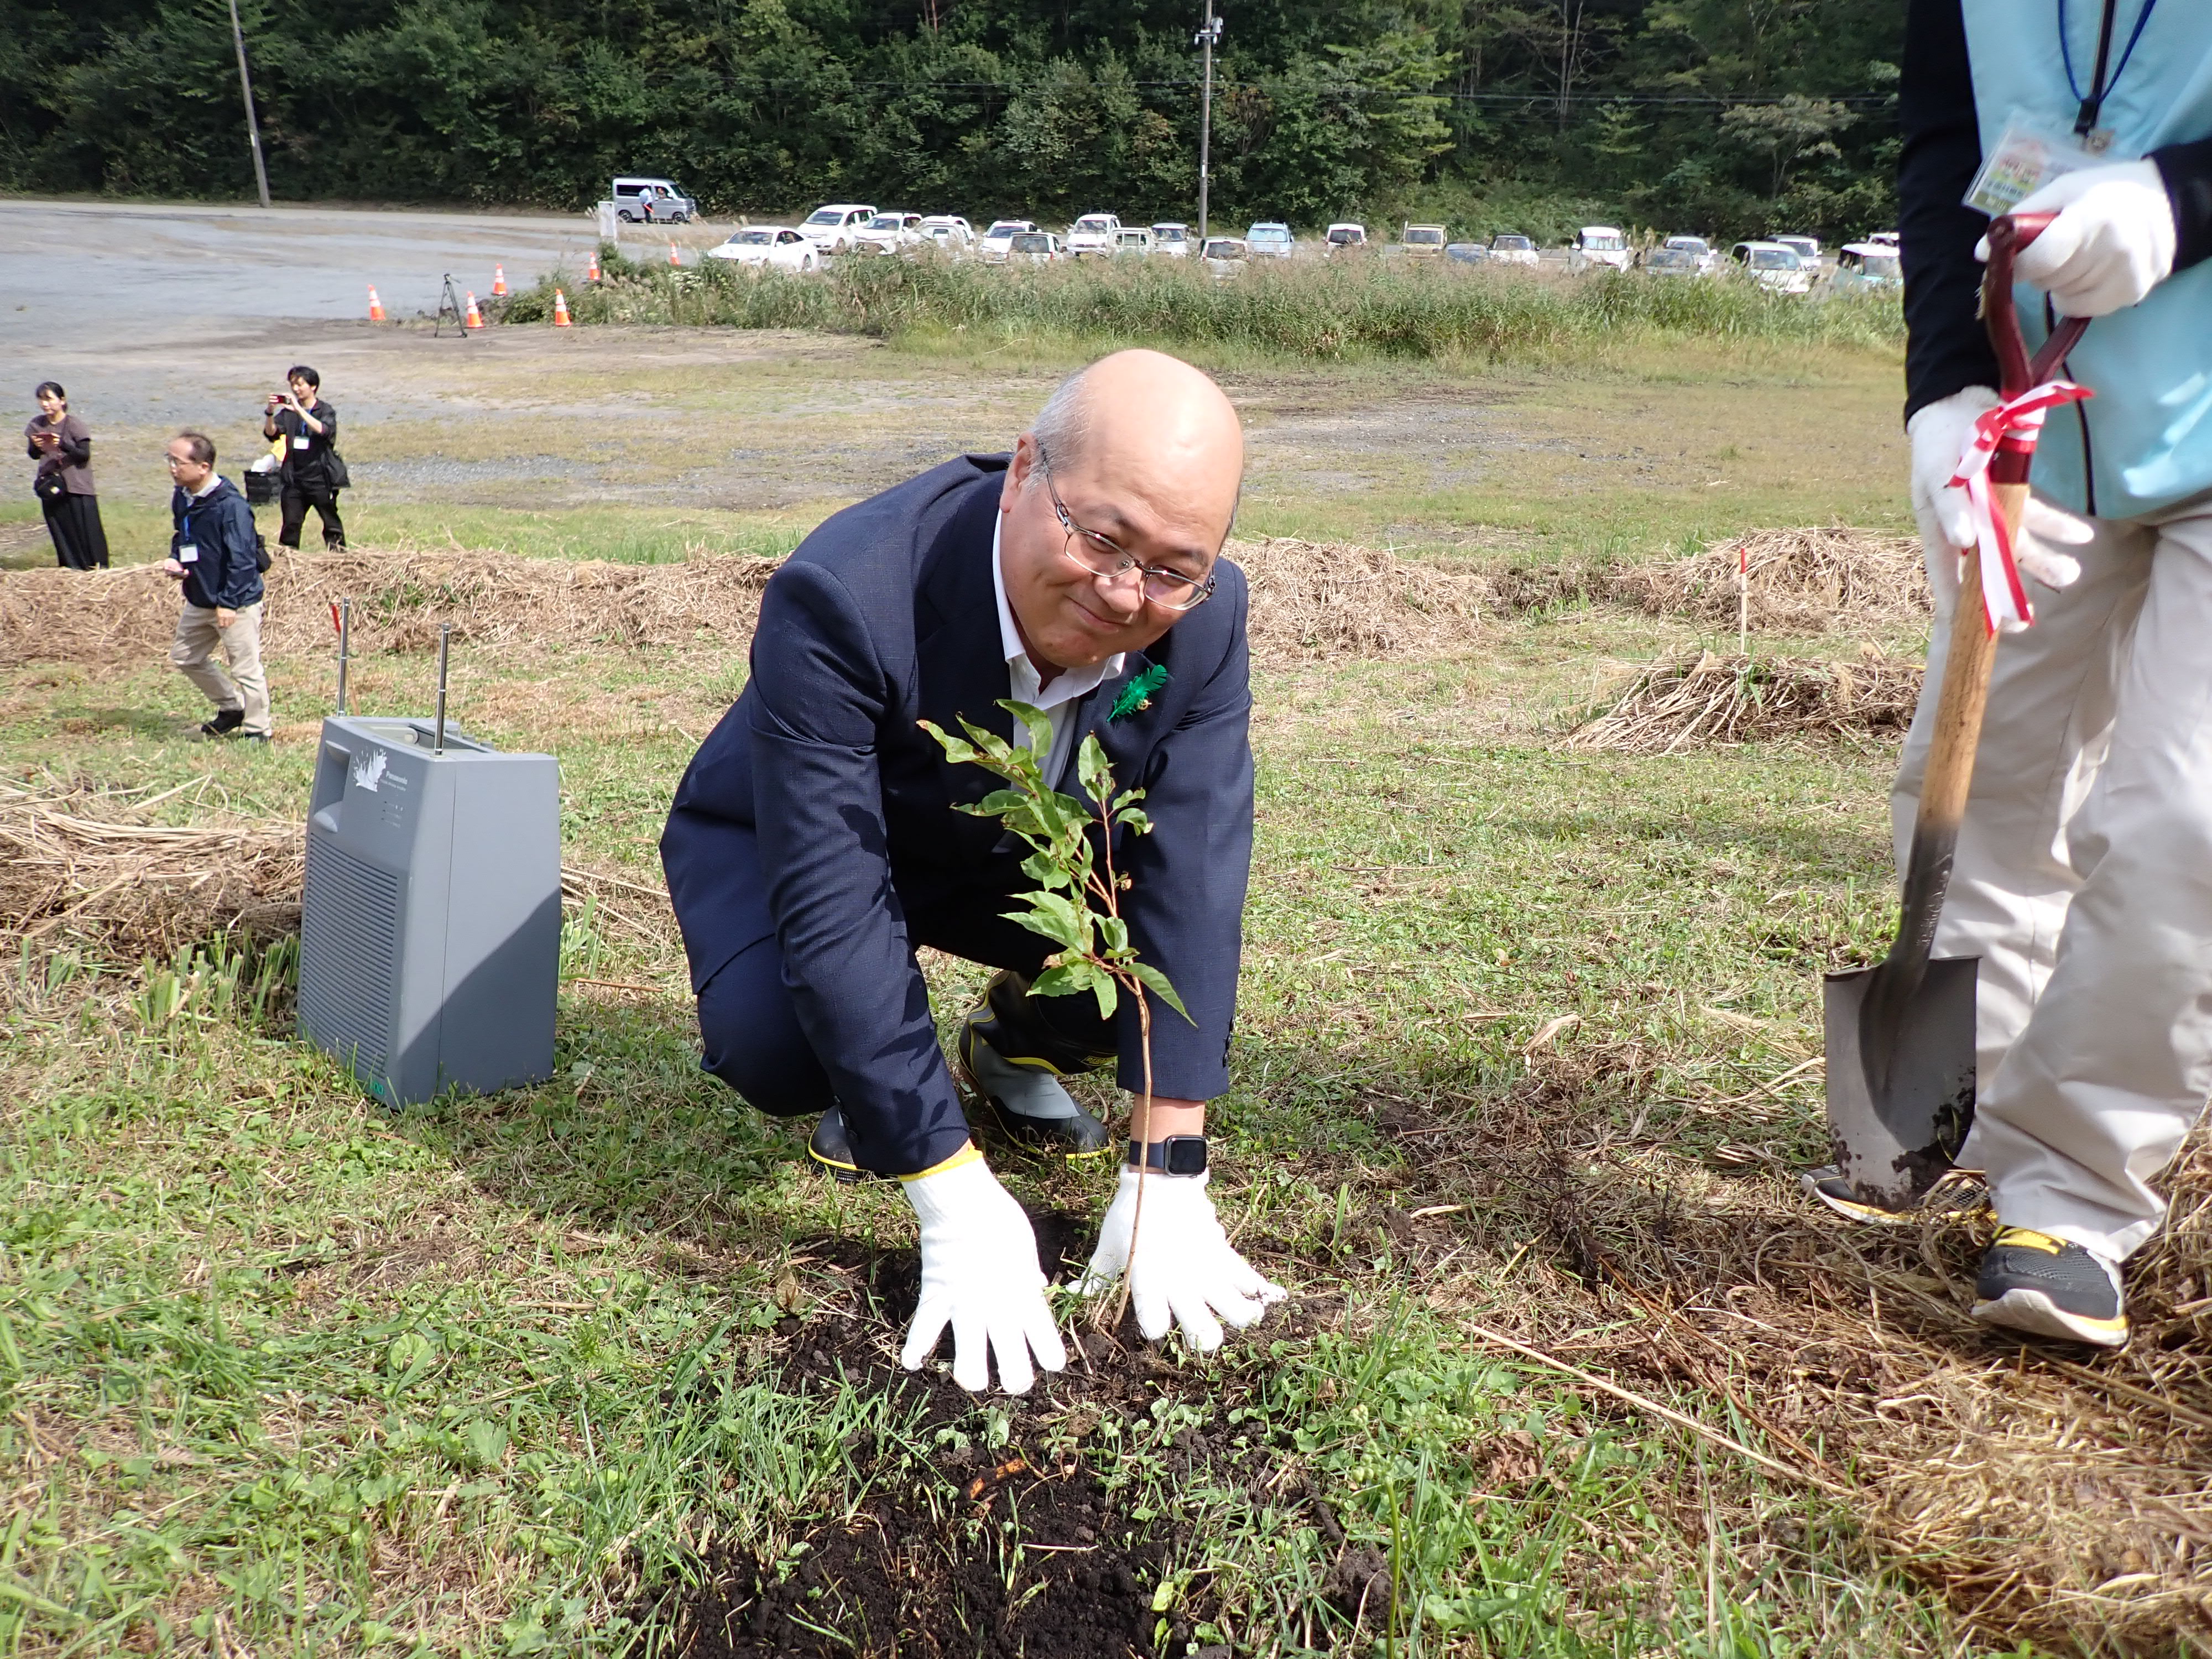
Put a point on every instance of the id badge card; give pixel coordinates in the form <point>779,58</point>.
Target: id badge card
<point>188,553</point>
<point>300,441</point>
<point>2030,153</point>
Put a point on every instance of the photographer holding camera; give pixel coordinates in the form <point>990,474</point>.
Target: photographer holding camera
<point>313,472</point>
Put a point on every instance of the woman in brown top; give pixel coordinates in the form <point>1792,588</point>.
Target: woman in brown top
<point>62,446</point>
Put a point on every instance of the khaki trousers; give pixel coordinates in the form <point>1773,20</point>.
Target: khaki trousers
<point>245,686</point>
<point>2084,884</point>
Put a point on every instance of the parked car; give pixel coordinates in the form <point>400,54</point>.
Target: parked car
<point>1772,266</point>
<point>949,233</point>
<point>1674,262</point>
<point>1270,239</point>
<point>1224,255</point>
<point>1599,245</point>
<point>1467,253</point>
<point>1697,245</point>
<point>1036,247</point>
<point>889,233</point>
<point>1884,239</point>
<point>1807,248</point>
<point>777,246</point>
<point>1344,236</point>
<point>1427,240</point>
<point>1172,238</point>
<point>832,229</point>
<point>995,241</point>
<point>1513,250</point>
<point>1134,240</point>
<point>671,206</point>
<point>1094,233</point>
<point>1868,265</point>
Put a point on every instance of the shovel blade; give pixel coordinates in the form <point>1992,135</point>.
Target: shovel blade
<point>1894,1137</point>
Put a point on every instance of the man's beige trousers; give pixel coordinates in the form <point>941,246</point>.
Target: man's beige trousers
<point>2084,884</point>
<point>246,686</point>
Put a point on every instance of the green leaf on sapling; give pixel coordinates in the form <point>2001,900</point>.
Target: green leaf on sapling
<point>1091,766</point>
<point>1067,980</point>
<point>1160,986</point>
<point>1044,870</point>
<point>1139,822</point>
<point>1039,724</point>
<point>1057,918</point>
<point>1113,934</point>
<point>958,753</point>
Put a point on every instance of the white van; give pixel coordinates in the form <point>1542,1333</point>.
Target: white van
<point>835,227</point>
<point>670,206</point>
<point>1599,245</point>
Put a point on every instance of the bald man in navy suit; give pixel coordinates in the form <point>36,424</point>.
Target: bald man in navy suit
<point>815,842</point>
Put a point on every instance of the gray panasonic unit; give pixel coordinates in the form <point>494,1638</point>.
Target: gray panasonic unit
<point>430,924</point>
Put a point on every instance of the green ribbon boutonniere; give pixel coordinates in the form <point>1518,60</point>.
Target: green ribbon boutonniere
<point>1136,696</point>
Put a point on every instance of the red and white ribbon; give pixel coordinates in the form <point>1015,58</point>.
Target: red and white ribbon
<point>2014,426</point>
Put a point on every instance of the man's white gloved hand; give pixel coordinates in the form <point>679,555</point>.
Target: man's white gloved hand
<point>1940,432</point>
<point>1184,1266</point>
<point>979,1275</point>
<point>2112,241</point>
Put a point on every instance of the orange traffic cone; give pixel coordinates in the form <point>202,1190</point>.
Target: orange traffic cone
<point>375,306</point>
<point>673,258</point>
<point>498,282</point>
<point>475,319</point>
<point>592,270</point>
<point>561,310</point>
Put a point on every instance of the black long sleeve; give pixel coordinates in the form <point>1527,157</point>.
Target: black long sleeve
<point>1946,349</point>
<point>2187,171</point>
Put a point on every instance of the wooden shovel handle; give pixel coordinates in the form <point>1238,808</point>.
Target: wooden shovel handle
<point>1950,774</point>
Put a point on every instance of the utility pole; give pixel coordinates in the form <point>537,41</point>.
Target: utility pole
<point>1209,36</point>
<point>246,87</point>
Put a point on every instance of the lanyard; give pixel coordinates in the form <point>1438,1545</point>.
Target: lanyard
<point>2092,101</point>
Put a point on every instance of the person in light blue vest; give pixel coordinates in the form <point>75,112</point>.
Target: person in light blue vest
<point>2084,873</point>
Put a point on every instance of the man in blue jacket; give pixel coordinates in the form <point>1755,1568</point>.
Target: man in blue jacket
<point>2083,879</point>
<point>814,842</point>
<point>212,555</point>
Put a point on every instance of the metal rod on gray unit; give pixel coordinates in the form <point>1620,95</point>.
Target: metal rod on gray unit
<point>445,639</point>
<point>345,642</point>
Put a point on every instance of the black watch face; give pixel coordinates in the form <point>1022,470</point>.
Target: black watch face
<point>1185,1154</point>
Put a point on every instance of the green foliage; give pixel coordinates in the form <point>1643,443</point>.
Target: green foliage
<point>1077,903</point>
<point>1728,116</point>
<point>1334,309</point>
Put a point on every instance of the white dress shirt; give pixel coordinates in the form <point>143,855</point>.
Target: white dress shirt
<point>1057,701</point>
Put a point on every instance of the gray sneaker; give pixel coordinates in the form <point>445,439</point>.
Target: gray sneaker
<point>2047,1286</point>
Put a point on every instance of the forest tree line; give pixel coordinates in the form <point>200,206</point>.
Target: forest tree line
<point>1728,116</point>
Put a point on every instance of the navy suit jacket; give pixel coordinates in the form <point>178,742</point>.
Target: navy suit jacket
<point>883,616</point>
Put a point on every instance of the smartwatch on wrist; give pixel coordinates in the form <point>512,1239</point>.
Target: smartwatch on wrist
<point>1177,1155</point>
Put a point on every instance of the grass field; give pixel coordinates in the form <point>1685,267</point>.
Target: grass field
<point>1521,1080</point>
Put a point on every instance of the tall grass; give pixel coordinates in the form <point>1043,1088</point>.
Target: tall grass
<point>1328,312</point>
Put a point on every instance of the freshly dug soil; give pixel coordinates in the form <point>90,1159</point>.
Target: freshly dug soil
<point>989,1555</point>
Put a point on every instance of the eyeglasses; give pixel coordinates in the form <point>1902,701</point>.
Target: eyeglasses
<point>1170,590</point>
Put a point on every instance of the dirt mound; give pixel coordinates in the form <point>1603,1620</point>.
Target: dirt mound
<point>1690,702</point>
<point>1336,600</point>
<point>494,600</point>
<point>980,1551</point>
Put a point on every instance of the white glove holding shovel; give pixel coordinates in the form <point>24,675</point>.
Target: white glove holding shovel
<point>1940,433</point>
<point>2113,242</point>
<point>979,1275</point>
<point>1184,1267</point>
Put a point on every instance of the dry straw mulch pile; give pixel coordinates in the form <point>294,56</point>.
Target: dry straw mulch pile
<point>494,601</point>
<point>1308,599</point>
<point>89,865</point>
<point>1690,701</point>
<point>2047,1492</point>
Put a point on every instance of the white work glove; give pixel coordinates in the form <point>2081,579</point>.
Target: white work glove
<point>2111,243</point>
<point>1184,1267</point>
<point>979,1275</point>
<point>1940,432</point>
